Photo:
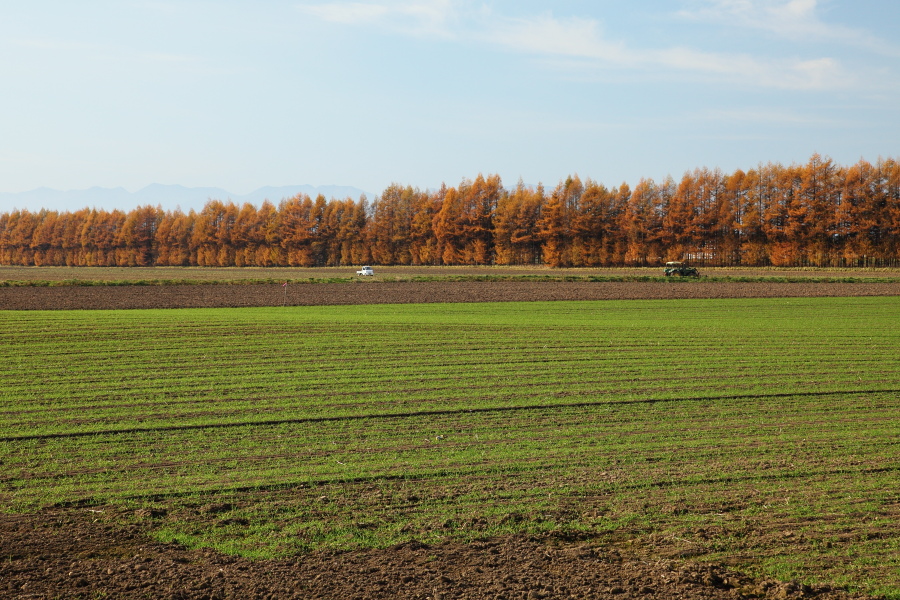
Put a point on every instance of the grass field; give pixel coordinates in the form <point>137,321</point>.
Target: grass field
<point>757,433</point>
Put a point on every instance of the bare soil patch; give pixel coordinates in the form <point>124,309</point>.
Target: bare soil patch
<point>81,553</point>
<point>391,292</point>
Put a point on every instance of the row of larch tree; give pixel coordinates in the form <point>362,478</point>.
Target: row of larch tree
<point>818,214</point>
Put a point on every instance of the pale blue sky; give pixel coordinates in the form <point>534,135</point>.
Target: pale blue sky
<point>241,95</point>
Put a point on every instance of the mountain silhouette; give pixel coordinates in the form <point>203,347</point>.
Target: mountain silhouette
<point>169,197</point>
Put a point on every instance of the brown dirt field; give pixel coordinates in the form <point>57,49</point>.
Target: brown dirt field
<point>77,553</point>
<point>385,292</point>
<point>89,553</point>
<point>213,274</point>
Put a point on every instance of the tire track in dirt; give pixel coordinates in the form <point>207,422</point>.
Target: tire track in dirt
<point>534,466</point>
<point>433,413</point>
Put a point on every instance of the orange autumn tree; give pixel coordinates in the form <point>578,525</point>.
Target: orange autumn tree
<point>335,230</point>
<point>464,223</point>
<point>298,230</point>
<point>758,191</point>
<point>553,231</point>
<point>173,239</point>
<point>555,221</point>
<point>890,176</point>
<point>16,230</point>
<point>868,222</point>
<point>480,199</point>
<point>820,192</point>
<point>423,242</point>
<point>595,225</point>
<point>391,226</point>
<point>643,221</point>
<point>138,243</point>
<point>448,227</point>
<point>517,238</point>
<point>699,222</point>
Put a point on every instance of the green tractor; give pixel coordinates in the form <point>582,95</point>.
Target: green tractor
<point>682,270</point>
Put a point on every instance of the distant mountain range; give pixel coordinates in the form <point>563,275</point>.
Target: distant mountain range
<point>167,196</point>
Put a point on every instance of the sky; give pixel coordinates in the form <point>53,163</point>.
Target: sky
<point>240,94</point>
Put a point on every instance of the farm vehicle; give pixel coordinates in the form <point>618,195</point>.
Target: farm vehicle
<point>682,270</point>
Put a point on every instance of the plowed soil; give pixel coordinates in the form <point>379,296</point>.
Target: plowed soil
<point>89,553</point>
<point>383,292</point>
<point>73,554</point>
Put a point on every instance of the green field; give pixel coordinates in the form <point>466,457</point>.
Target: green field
<point>757,433</point>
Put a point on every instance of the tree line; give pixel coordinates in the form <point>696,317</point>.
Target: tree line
<point>817,214</point>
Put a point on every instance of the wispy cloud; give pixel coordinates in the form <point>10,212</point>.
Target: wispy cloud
<point>347,12</point>
<point>416,17</point>
<point>545,34</point>
<point>769,116</point>
<point>583,38</point>
<point>784,17</point>
<point>80,55</point>
<point>549,37</point>
<point>798,20</point>
<point>797,74</point>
